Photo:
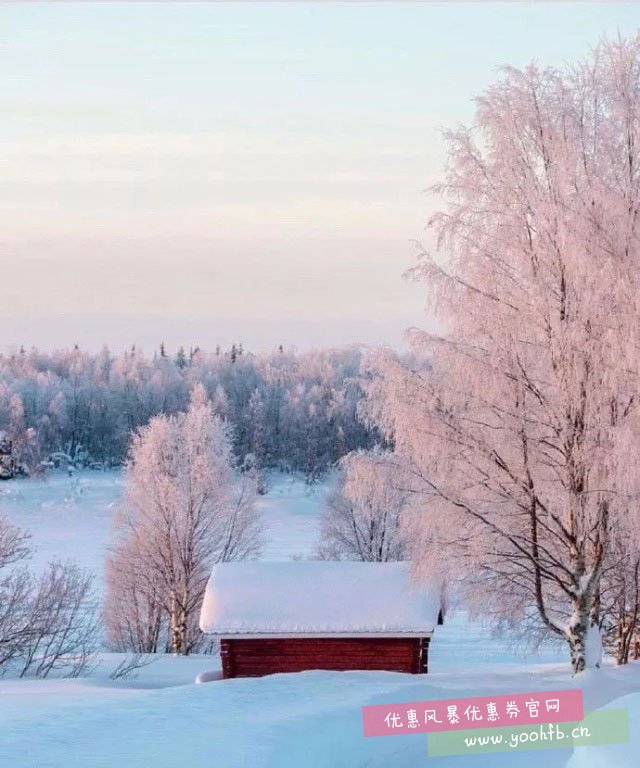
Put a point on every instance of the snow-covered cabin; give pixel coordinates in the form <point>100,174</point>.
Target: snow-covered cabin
<point>299,615</point>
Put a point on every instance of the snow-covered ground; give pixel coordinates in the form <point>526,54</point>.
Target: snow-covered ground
<point>161,718</point>
<point>313,719</point>
<point>67,517</point>
<point>290,517</point>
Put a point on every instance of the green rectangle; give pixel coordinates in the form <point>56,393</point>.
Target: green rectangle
<point>604,726</point>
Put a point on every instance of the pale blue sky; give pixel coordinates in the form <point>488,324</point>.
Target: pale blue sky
<point>204,173</point>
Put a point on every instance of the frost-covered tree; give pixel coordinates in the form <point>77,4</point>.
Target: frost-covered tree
<point>363,517</point>
<point>526,428</point>
<point>184,511</point>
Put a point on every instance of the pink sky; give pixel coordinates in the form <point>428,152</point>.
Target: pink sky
<point>204,173</point>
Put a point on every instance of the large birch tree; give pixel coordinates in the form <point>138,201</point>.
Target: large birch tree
<point>523,421</point>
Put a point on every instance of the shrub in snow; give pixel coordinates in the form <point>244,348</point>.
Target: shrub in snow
<point>47,624</point>
<point>129,666</point>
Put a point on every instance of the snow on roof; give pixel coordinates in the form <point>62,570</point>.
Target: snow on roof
<point>313,597</point>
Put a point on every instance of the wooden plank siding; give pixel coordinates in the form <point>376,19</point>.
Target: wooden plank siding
<point>254,657</point>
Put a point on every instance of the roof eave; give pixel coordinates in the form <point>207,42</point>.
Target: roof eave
<point>257,635</point>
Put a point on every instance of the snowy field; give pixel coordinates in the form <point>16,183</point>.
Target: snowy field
<point>161,718</point>
<point>72,517</point>
<point>66,517</point>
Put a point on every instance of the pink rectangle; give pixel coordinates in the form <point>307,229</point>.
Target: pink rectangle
<point>474,712</point>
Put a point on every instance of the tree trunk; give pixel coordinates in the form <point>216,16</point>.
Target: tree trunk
<point>625,632</point>
<point>177,639</point>
<point>178,629</point>
<point>583,636</point>
<point>576,638</point>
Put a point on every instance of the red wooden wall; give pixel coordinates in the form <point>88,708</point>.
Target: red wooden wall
<point>255,657</point>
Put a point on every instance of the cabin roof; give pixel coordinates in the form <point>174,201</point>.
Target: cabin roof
<point>317,597</point>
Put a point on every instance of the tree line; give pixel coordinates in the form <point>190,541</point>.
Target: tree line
<point>294,412</point>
